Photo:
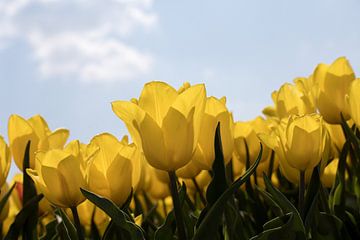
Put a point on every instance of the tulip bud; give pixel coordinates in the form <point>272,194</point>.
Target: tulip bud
<point>114,169</point>
<point>5,160</point>
<point>60,174</point>
<point>161,114</point>
<point>353,101</point>
<point>333,84</point>
<point>35,130</point>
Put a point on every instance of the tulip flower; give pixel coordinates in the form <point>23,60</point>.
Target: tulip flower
<point>60,174</point>
<point>290,100</point>
<point>245,134</point>
<point>36,130</point>
<point>337,138</point>
<point>353,101</point>
<point>114,170</point>
<point>333,84</point>
<point>161,114</point>
<point>329,174</point>
<point>5,160</point>
<point>215,112</point>
<point>300,142</point>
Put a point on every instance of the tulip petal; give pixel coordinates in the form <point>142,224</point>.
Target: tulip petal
<point>20,132</point>
<point>129,112</point>
<point>180,148</point>
<point>58,138</point>
<point>152,142</point>
<point>156,98</point>
<point>119,174</point>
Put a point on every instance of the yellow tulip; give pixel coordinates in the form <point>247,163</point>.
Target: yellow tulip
<point>245,134</point>
<point>333,84</point>
<point>36,130</point>
<point>337,138</point>
<point>300,142</point>
<point>156,189</point>
<point>115,169</point>
<point>87,210</point>
<point>329,174</point>
<point>353,101</point>
<point>161,114</point>
<point>60,174</point>
<point>190,170</point>
<point>5,160</point>
<point>215,112</point>
<point>290,100</point>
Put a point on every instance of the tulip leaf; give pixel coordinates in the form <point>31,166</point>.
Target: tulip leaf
<point>218,183</point>
<point>4,200</point>
<point>209,225</point>
<point>286,206</point>
<point>20,219</point>
<point>50,231</point>
<point>70,228</point>
<point>167,229</point>
<point>29,192</point>
<point>116,214</point>
<point>283,227</point>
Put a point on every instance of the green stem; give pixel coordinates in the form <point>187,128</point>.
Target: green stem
<point>301,193</point>
<point>177,208</point>
<point>77,223</point>
<point>202,198</point>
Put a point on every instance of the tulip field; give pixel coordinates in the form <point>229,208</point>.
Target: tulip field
<point>188,170</point>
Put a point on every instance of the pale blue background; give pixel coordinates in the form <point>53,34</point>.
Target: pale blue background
<point>241,49</point>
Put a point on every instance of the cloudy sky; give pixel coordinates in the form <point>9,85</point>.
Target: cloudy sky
<point>68,59</point>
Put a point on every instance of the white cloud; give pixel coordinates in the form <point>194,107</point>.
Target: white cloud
<point>84,39</point>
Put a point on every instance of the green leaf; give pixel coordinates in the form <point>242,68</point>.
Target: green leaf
<point>283,227</point>
<point>208,227</point>
<point>328,227</point>
<point>116,214</point>
<point>70,228</point>
<point>50,231</point>
<point>167,229</point>
<point>20,219</point>
<point>4,200</point>
<point>29,192</point>
<point>286,206</point>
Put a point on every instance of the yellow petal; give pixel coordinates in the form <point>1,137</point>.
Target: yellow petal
<point>156,98</point>
<point>119,176</point>
<point>58,138</point>
<point>152,142</point>
<point>180,148</point>
<point>20,132</point>
<point>129,112</point>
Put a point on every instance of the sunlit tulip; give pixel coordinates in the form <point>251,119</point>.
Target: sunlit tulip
<point>36,130</point>
<point>333,84</point>
<point>60,174</point>
<point>215,112</point>
<point>337,138</point>
<point>156,188</point>
<point>245,134</point>
<point>111,170</point>
<point>353,101</point>
<point>88,212</point>
<point>300,143</point>
<point>290,100</point>
<point>308,87</point>
<point>161,114</point>
<point>190,170</point>
<point>5,158</point>
<point>329,174</point>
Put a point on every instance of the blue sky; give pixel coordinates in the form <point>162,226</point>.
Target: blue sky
<point>68,59</point>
